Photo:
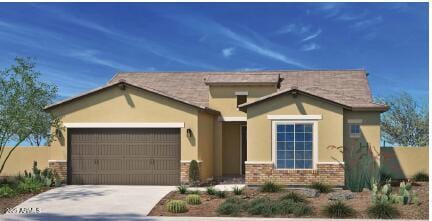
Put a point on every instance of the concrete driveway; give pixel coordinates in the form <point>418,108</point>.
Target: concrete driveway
<point>93,202</point>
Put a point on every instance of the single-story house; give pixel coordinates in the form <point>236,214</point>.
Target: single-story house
<point>145,128</point>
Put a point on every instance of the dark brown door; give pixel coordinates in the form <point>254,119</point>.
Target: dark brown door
<point>243,137</point>
<point>124,156</point>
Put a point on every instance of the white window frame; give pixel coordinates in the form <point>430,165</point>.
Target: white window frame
<point>314,142</point>
<point>350,132</point>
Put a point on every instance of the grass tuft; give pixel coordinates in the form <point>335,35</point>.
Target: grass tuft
<point>321,187</point>
<point>270,187</point>
<point>338,209</point>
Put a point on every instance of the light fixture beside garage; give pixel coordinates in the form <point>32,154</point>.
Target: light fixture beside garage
<point>189,132</point>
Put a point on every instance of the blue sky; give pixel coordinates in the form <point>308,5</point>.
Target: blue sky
<point>79,46</point>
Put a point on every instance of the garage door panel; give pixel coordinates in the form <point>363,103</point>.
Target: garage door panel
<point>125,156</point>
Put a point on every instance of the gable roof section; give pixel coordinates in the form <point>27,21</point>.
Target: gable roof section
<point>345,101</point>
<point>125,83</point>
<point>242,79</point>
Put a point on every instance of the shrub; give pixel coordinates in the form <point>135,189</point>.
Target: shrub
<point>211,190</point>
<point>237,190</point>
<point>295,197</point>
<point>382,211</point>
<point>176,206</point>
<point>193,172</point>
<point>270,187</point>
<point>6,191</point>
<point>338,209</point>
<point>302,209</point>
<point>182,189</point>
<point>421,177</point>
<point>193,199</point>
<point>29,186</point>
<point>262,206</point>
<point>286,206</point>
<point>220,193</point>
<point>321,187</point>
<point>231,206</point>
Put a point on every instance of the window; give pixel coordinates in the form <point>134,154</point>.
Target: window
<point>241,99</point>
<point>355,130</point>
<point>294,145</point>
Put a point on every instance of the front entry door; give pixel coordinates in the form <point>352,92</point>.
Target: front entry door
<point>243,139</point>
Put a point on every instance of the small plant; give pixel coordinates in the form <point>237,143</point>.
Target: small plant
<point>6,191</point>
<point>270,187</point>
<point>29,185</point>
<point>286,206</point>
<point>194,173</point>
<point>295,197</point>
<point>338,209</point>
<point>381,195</point>
<point>231,206</point>
<point>404,189</point>
<point>176,206</point>
<point>321,187</point>
<point>196,192</point>
<point>220,193</point>
<point>383,211</point>
<point>211,190</point>
<point>237,190</point>
<point>193,199</point>
<point>182,189</point>
<point>421,177</point>
<point>303,209</point>
<point>262,206</point>
<point>57,180</point>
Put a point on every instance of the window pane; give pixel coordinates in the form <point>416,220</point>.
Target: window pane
<point>280,128</point>
<point>308,164</point>
<point>290,164</point>
<point>299,146</point>
<point>308,137</point>
<point>299,128</point>
<point>308,145</point>
<point>299,164</point>
<point>299,136</point>
<point>299,155</point>
<point>290,136</point>
<point>308,155</point>
<point>280,136</point>
<point>308,128</point>
<point>290,128</point>
<point>290,155</point>
<point>280,145</point>
<point>281,163</point>
<point>290,145</point>
<point>280,155</point>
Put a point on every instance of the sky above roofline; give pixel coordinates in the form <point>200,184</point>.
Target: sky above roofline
<point>80,46</point>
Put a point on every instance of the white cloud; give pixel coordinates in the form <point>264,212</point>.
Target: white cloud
<point>310,47</point>
<point>312,36</point>
<point>227,52</point>
<point>351,17</point>
<point>367,23</point>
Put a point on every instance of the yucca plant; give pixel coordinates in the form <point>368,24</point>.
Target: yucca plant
<point>382,211</point>
<point>321,187</point>
<point>176,206</point>
<point>338,209</point>
<point>193,199</point>
<point>295,197</point>
<point>270,186</point>
<point>182,189</point>
<point>237,190</point>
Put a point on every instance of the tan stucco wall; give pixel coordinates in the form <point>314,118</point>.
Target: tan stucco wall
<point>217,151</point>
<point>369,129</point>
<point>404,162</point>
<point>130,105</point>
<point>22,159</point>
<point>259,132</point>
<point>205,144</point>
<point>223,98</point>
<point>231,148</point>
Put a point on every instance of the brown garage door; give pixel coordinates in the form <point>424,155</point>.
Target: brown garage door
<point>122,156</point>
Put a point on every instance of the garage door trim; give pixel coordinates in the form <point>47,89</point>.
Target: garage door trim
<point>126,125</point>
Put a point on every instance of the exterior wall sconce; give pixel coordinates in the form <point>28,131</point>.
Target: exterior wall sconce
<point>189,132</point>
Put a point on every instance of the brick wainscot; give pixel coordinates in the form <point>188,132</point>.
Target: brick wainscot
<point>259,172</point>
<point>60,167</point>
<point>184,170</point>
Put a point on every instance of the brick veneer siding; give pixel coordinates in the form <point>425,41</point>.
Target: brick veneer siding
<point>257,174</point>
<point>60,167</point>
<point>184,171</point>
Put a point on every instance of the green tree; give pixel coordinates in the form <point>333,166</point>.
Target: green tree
<point>405,123</point>
<point>22,101</point>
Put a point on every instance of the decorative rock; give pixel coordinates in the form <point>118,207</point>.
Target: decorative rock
<point>309,193</point>
<point>341,195</point>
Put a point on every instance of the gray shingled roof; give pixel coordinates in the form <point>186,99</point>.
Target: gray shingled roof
<point>346,87</point>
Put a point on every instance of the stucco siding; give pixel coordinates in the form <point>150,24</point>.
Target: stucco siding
<point>205,144</point>
<point>129,106</point>
<point>259,133</point>
<point>22,159</point>
<point>223,98</point>
<point>231,148</point>
<point>404,162</point>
